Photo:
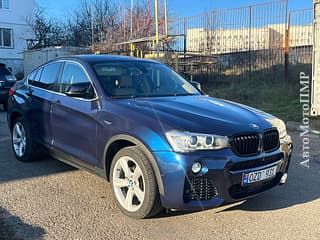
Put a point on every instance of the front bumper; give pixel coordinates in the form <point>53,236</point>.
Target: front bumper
<point>220,178</point>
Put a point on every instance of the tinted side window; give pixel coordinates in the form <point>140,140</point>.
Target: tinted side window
<point>34,77</point>
<point>49,75</point>
<point>74,79</point>
<point>31,77</point>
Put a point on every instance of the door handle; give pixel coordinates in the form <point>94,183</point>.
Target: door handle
<point>57,102</point>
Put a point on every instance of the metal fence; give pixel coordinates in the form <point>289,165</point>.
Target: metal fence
<point>253,42</point>
<point>246,41</point>
<point>301,36</point>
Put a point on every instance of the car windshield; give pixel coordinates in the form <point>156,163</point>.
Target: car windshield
<point>141,79</point>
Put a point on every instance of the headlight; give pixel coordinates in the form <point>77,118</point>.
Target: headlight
<point>188,142</point>
<point>1,83</point>
<point>280,125</point>
<point>282,128</point>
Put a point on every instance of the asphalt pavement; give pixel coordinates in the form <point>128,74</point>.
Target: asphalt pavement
<point>48,199</point>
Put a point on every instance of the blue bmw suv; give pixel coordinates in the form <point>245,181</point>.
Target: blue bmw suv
<point>158,139</point>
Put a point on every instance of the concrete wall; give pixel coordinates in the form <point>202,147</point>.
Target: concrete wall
<point>34,58</point>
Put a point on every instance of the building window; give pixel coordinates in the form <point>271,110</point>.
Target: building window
<point>4,4</point>
<point>6,37</point>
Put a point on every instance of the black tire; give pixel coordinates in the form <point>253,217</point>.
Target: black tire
<point>151,204</point>
<point>32,150</point>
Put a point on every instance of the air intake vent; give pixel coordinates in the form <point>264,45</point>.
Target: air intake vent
<point>200,188</point>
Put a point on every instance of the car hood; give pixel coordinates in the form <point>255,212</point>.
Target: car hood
<point>202,114</point>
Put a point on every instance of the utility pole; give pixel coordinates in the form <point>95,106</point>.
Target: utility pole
<point>131,19</point>
<point>131,29</point>
<point>157,26</point>
<point>165,18</point>
<point>92,28</point>
<point>250,37</point>
<point>156,20</point>
<point>184,45</point>
<point>124,24</point>
<point>149,18</point>
<point>286,46</point>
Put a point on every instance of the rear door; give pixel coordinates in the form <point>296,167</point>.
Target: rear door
<point>73,116</point>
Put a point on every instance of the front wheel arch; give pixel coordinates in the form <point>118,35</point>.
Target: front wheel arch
<point>125,141</point>
<point>13,116</point>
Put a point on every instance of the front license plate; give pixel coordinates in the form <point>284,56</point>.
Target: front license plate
<point>258,176</point>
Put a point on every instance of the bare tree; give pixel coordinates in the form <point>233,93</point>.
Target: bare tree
<point>79,26</point>
<point>46,31</point>
<point>111,24</point>
<point>141,25</point>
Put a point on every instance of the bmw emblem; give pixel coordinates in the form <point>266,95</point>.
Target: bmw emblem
<point>254,126</point>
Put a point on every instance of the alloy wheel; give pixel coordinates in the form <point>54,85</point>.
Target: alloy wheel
<point>128,184</point>
<point>19,139</point>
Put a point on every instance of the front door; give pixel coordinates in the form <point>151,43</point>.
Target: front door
<point>74,128</point>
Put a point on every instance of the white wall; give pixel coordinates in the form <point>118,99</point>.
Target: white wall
<point>37,57</point>
<point>315,95</point>
<point>15,18</point>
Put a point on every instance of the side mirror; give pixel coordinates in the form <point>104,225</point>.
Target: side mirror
<point>80,90</point>
<point>197,85</point>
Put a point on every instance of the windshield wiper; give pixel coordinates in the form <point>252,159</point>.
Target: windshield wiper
<point>182,94</point>
<point>148,96</point>
<point>123,97</point>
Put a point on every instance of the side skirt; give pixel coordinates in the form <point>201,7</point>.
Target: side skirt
<point>77,163</point>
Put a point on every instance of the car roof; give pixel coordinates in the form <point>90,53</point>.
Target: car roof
<point>92,58</point>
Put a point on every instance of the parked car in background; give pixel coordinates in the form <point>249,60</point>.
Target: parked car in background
<point>160,141</point>
<point>7,80</point>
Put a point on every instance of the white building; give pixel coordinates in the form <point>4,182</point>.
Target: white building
<point>224,41</point>
<point>14,30</point>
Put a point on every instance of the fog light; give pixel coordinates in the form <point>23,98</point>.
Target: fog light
<point>196,167</point>
<point>283,179</point>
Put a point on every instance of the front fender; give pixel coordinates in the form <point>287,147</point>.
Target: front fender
<point>144,147</point>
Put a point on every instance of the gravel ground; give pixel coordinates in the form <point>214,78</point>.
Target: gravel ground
<point>50,200</point>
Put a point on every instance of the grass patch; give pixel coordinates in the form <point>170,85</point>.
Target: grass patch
<point>277,97</point>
